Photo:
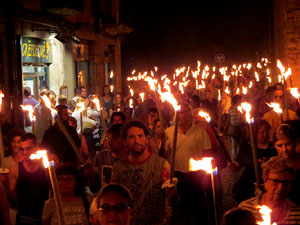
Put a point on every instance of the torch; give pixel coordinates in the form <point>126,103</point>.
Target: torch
<point>63,128</point>
<point>32,118</point>
<point>3,170</point>
<point>265,212</point>
<point>277,109</point>
<point>81,108</point>
<point>206,164</point>
<point>99,109</point>
<point>284,75</point>
<point>57,197</point>
<point>247,108</point>
<point>208,119</point>
<point>294,92</point>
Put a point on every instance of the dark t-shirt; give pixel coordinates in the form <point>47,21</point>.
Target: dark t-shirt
<point>56,142</point>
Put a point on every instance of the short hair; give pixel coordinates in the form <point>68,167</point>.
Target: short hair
<point>284,131</point>
<point>72,170</point>
<point>277,164</point>
<point>238,216</point>
<point>27,91</point>
<point>116,129</point>
<point>270,90</point>
<point>135,123</point>
<point>14,132</point>
<point>259,123</point>
<point>114,114</point>
<point>196,99</point>
<point>28,136</point>
<point>155,122</point>
<point>116,188</point>
<point>235,99</point>
<point>153,110</point>
<point>77,91</point>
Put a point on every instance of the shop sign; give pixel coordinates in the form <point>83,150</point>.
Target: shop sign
<point>36,50</point>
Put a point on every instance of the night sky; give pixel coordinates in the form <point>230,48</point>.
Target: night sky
<point>168,33</point>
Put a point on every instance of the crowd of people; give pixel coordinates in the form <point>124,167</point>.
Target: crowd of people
<point>123,176</point>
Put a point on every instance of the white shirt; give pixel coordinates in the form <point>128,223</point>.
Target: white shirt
<point>189,145</point>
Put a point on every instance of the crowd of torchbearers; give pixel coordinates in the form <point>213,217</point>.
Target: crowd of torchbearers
<point>157,155</point>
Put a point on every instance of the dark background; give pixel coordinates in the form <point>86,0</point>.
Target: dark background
<point>171,33</point>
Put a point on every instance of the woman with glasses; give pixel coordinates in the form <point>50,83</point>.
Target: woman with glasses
<point>113,205</point>
<point>278,176</point>
<point>75,200</point>
<point>285,142</point>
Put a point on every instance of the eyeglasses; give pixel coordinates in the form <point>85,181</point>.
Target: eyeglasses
<point>32,148</point>
<point>276,182</point>
<point>119,207</point>
<point>66,179</point>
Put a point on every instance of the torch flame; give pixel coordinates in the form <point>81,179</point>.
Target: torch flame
<point>265,212</point>
<point>131,92</point>
<point>227,90</point>
<point>111,88</point>
<point>1,96</point>
<point>250,84</point>
<point>203,164</point>
<point>48,104</point>
<point>256,76</point>
<point>247,108</point>
<point>294,92</point>
<point>276,107</point>
<point>29,108</point>
<point>41,154</point>
<point>131,103</point>
<point>111,74</point>
<point>97,103</point>
<point>244,90</point>
<point>204,115</point>
<point>142,95</point>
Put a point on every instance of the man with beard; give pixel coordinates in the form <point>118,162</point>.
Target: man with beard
<point>56,142</point>
<point>143,173</point>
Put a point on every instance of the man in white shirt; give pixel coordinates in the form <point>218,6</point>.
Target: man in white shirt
<point>192,142</point>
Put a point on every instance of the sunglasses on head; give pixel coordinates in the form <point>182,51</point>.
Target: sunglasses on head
<point>119,207</point>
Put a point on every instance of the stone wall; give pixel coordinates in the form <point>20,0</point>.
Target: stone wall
<point>287,35</point>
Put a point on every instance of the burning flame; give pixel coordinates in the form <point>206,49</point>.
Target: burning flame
<point>256,76</point>
<point>111,88</point>
<point>131,92</point>
<point>203,164</point>
<point>131,103</point>
<point>219,95</point>
<point>204,115</point>
<point>265,212</point>
<point>294,92</point>
<point>1,96</point>
<point>41,154</point>
<point>48,104</point>
<point>247,108</point>
<point>97,103</point>
<point>276,107</point>
<point>142,95</point>
<point>250,84</point>
<point>80,106</point>
<point>227,90</point>
<point>111,74</point>
<point>284,73</point>
<point>244,90</point>
<point>29,108</point>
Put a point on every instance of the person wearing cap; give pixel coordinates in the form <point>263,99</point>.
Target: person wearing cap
<point>113,205</point>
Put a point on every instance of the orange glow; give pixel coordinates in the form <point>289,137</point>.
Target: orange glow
<point>131,103</point>
<point>48,104</point>
<point>219,95</point>
<point>244,90</point>
<point>227,90</point>
<point>1,96</point>
<point>247,108</point>
<point>265,212</point>
<point>203,164</point>
<point>256,76</point>
<point>97,103</point>
<point>151,82</point>
<point>284,73</point>
<point>294,92</point>
<point>204,115</point>
<point>131,92</point>
<point>80,106</point>
<point>111,74</point>
<point>29,108</point>
<point>250,84</point>
<point>142,95</point>
<point>41,154</point>
<point>111,88</point>
<point>276,107</point>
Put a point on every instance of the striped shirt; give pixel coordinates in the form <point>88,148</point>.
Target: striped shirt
<point>292,217</point>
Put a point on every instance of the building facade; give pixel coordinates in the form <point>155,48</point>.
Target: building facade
<point>287,36</point>
<point>60,45</point>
